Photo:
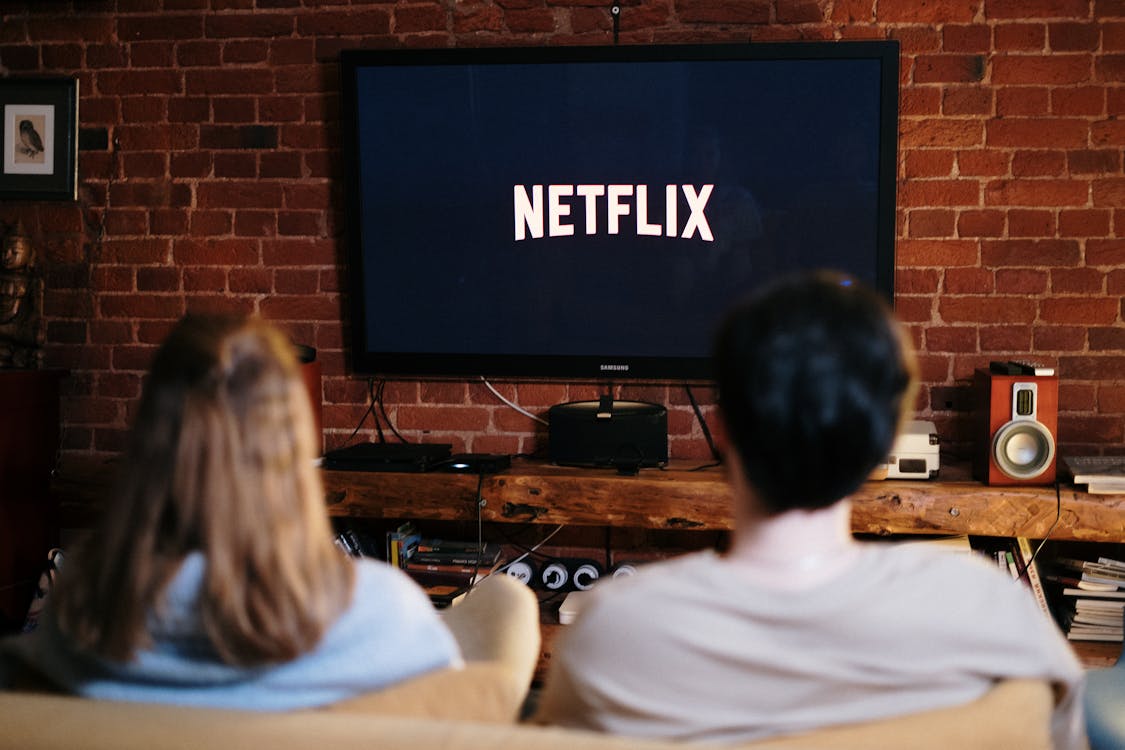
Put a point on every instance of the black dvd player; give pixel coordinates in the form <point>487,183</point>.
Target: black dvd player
<point>409,457</point>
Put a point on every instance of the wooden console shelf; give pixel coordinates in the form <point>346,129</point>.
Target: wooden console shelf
<point>679,498</point>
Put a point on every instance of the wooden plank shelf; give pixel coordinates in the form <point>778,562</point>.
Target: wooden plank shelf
<point>681,498</point>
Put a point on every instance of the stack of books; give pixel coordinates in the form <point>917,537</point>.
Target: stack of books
<point>1015,557</point>
<point>445,568</point>
<point>1093,598</point>
<point>1102,475</point>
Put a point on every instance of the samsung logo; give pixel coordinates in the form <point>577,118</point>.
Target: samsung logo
<point>614,368</point>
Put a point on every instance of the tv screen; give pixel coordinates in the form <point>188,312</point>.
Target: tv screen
<point>590,212</point>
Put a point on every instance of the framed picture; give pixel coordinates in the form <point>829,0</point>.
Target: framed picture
<point>39,126</point>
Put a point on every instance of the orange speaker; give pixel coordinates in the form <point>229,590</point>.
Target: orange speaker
<point>1017,420</point>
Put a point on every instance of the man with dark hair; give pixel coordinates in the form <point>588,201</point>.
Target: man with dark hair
<point>800,626</point>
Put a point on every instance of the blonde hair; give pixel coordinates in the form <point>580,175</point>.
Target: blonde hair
<point>220,461</point>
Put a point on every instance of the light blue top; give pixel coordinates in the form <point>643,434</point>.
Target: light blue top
<point>389,633</point>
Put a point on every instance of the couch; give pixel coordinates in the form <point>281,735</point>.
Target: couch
<point>474,708</point>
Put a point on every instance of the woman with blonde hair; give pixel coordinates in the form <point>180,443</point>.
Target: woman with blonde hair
<point>213,579</point>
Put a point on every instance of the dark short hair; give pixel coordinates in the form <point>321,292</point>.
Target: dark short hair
<point>813,372</point>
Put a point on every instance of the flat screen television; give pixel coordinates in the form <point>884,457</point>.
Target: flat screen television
<point>588,213</point>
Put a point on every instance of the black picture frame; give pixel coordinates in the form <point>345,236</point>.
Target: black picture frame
<point>39,138</point>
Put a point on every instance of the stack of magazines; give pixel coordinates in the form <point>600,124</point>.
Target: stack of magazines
<point>1093,598</point>
<point>1102,475</point>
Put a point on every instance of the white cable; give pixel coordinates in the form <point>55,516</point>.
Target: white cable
<point>517,407</point>
<point>543,541</point>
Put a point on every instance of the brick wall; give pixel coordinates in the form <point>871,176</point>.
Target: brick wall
<point>219,188</point>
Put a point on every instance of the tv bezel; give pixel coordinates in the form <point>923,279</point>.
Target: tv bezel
<point>579,368</point>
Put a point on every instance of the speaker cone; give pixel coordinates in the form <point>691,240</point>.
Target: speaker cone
<point>1023,449</point>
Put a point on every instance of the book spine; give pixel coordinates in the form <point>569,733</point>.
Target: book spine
<point>1031,567</point>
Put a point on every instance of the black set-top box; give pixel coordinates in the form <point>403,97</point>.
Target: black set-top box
<point>406,457</point>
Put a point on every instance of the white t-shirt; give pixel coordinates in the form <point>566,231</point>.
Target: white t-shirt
<point>692,649</point>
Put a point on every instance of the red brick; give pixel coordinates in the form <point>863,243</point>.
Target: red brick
<point>1115,101</point>
<point>974,38</point>
<point>133,251</point>
<point>105,56</point>
<point>112,279</point>
<point>247,25</point>
<point>919,101</point>
<point>133,28</point>
<point>913,41</point>
<point>215,252</point>
<point>931,223</point>
<point>937,253</point>
<point>292,307</point>
<point>190,165</point>
<point>932,11</point>
<point>295,281</point>
<point>238,194</point>
<point>1096,162</point>
<point>206,279</point>
<point>220,304</point>
<point>245,52</point>
<point>1059,338</point>
<point>1108,192</point>
<point>210,223</point>
<point>1022,37</point>
<point>151,55</point>
<point>146,164</point>
<point>141,306</point>
<point>238,166</point>
<point>853,11</point>
<point>1107,133</point>
<point>152,137</point>
<point>949,68</point>
<point>1038,164</point>
<point>221,81</point>
<point>1084,223</point>
<point>1023,101</point>
<point>1079,101</point>
<point>278,164</point>
<point>1029,223</point>
<point>1036,8</point>
<point>985,223</point>
<point>255,223</point>
<point>1044,132</point>
<point>158,279</point>
<point>127,222</point>
<point>299,223</point>
<point>1111,398</point>
<point>986,309</point>
<point>140,82</point>
<point>251,280</point>
<point>967,100</point>
<point>1089,281</point>
<point>951,339</point>
<point>198,54</point>
<point>1073,36</point>
<point>235,109</point>
<point>983,163</point>
<point>940,132</point>
<point>1079,310</point>
<point>278,109</point>
<point>1110,68</point>
<point>972,280</point>
<point>1036,193</point>
<point>299,252</point>
<point>1105,252</point>
<point>1031,253</point>
<point>1092,367</point>
<point>292,52</point>
<point>923,193</point>
<point>1077,397</point>
<point>1055,70</point>
<point>1021,281</point>
<point>61,56</point>
<point>1005,338</point>
<point>928,163</point>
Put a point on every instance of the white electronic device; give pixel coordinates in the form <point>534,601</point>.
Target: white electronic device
<point>915,452</point>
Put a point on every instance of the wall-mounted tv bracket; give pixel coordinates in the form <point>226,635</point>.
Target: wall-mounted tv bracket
<point>615,13</point>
